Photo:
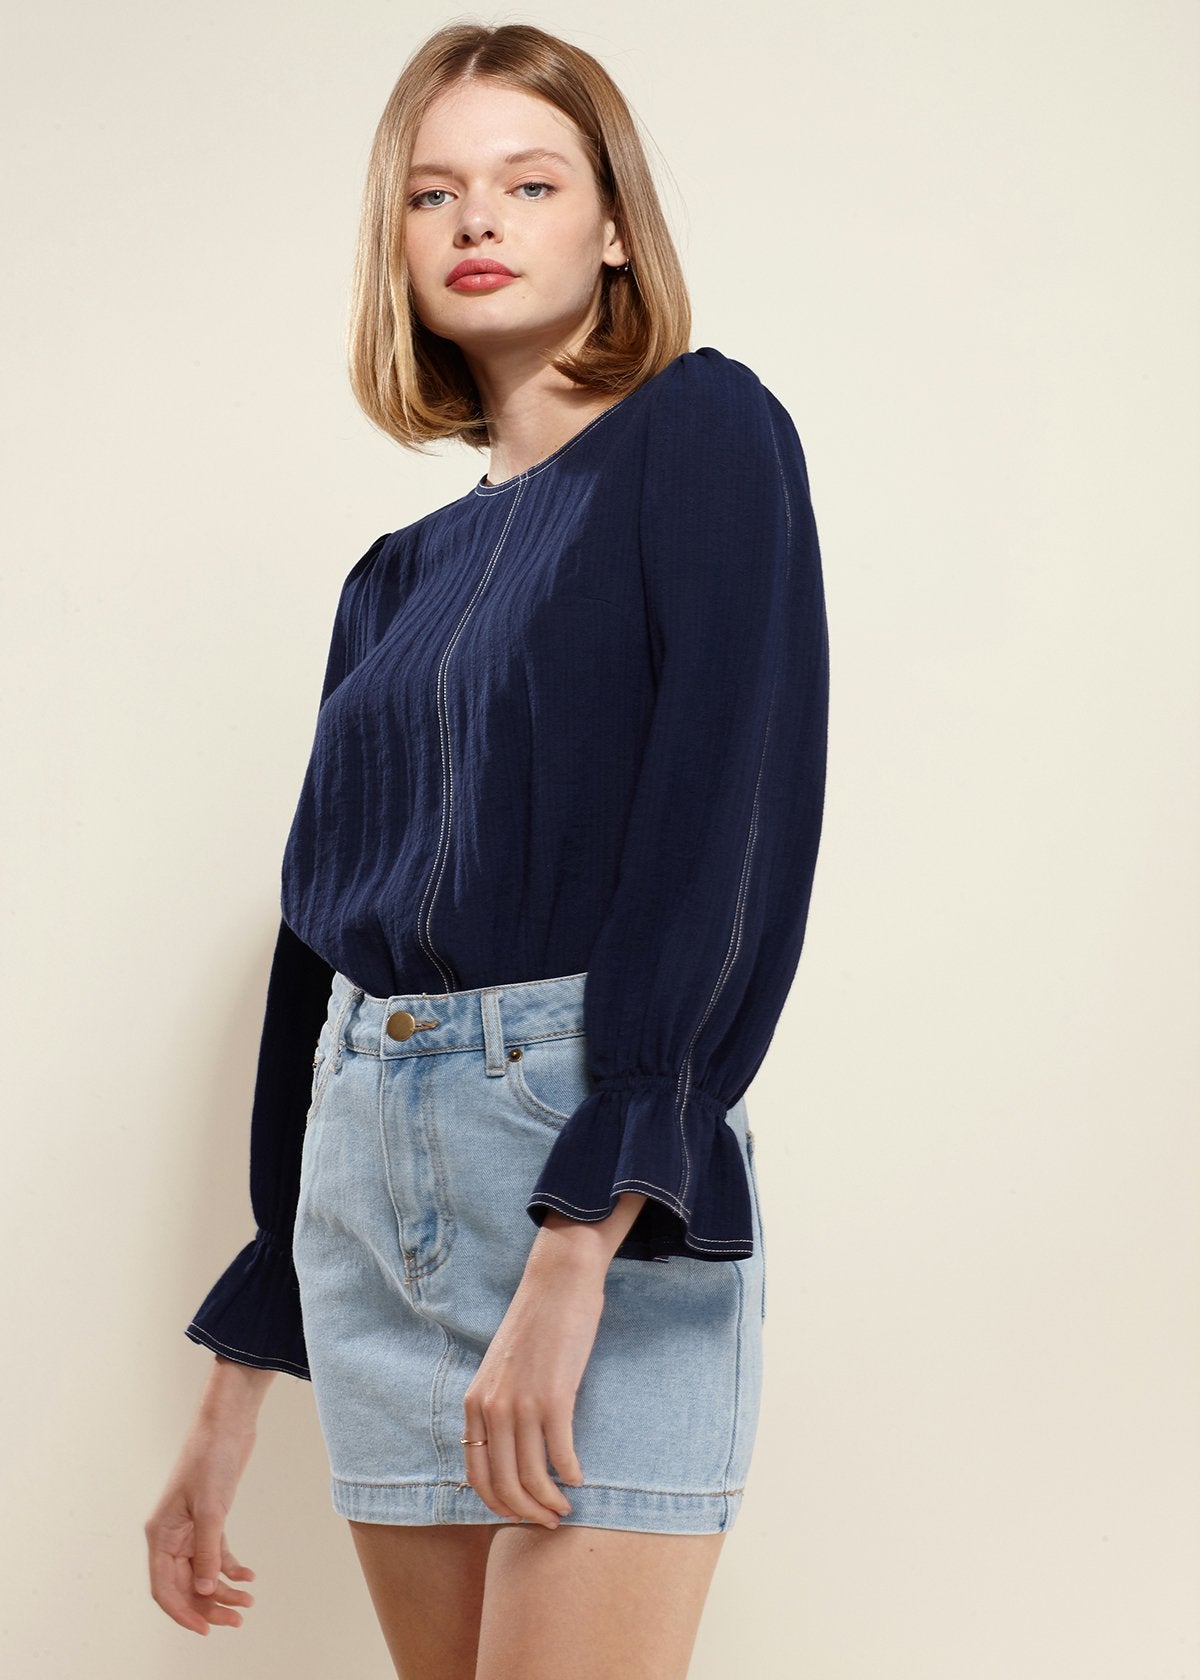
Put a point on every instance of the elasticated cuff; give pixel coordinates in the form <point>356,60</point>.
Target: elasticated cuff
<point>252,1313</point>
<point>627,1135</point>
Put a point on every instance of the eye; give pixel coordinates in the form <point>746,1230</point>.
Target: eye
<point>414,202</point>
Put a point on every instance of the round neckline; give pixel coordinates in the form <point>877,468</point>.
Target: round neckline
<point>483,488</point>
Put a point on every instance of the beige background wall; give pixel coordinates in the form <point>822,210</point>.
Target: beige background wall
<point>959,242</point>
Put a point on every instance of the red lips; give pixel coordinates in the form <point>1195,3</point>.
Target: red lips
<point>477,265</point>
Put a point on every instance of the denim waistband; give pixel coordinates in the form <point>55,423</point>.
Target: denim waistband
<point>481,1018</point>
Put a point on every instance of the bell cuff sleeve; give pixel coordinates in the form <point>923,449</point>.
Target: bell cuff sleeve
<point>698,1201</point>
<point>252,1312</point>
<point>694,961</point>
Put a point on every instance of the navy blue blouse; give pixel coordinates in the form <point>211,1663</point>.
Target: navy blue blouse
<point>573,721</point>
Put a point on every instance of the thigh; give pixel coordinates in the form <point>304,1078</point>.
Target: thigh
<point>427,1585</point>
<point>594,1603</point>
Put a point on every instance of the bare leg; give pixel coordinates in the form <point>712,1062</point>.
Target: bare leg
<point>427,1583</point>
<point>594,1603</point>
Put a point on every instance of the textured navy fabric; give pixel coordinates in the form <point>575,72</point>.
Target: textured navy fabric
<point>572,721</point>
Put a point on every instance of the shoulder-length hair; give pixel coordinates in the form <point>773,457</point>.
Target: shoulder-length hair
<point>415,385</point>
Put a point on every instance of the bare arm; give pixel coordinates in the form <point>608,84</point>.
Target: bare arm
<point>185,1533</point>
<point>581,1243</point>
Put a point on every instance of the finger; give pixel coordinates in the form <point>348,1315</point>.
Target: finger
<point>531,1461</point>
<point>171,1589</point>
<point>220,1615</point>
<point>476,1463</point>
<point>561,1447</point>
<point>506,1470</point>
<point>230,1566</point>
<point>217,1607</point>
<point>225,1594</point>
<point>206,1553</point>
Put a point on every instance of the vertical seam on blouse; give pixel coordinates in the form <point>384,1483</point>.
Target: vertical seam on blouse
<point>447,760</point>
<point>735,933</point>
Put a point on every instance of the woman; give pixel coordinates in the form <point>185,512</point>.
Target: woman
<point>543,899</point>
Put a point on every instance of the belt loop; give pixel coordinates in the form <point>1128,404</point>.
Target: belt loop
<point>493,1031</point>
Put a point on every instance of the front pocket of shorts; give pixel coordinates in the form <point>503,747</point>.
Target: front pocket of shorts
<point>549,1079</point>
<point>323,1066</point>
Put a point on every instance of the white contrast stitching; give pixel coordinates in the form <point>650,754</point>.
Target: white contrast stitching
<point>532,472</point>
<point>565,1206</point>
<point>443,711</point>
<point>751,838</point>
<point>226,1347</point>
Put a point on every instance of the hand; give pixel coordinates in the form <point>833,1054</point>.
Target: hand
<point>520,1403</point>
<point>185,1533</point>
<point>521,1399</point>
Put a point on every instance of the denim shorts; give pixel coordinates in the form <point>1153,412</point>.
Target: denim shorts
<point>411,1237</point>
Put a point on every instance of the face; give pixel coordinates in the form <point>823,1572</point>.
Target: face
<point>540,216</point>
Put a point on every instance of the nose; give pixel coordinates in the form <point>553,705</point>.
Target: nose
<point>478,220</point>
<point>476,229</point>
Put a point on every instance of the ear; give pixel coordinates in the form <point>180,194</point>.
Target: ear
<point>615,253</point>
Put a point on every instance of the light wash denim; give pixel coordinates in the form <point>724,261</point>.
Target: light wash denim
<point>410,1240</point>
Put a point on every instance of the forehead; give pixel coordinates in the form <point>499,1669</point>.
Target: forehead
<point>489,122</point>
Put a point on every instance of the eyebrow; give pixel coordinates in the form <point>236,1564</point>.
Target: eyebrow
<point>532,154</point>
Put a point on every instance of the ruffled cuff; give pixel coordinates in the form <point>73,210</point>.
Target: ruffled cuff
<point>626,1135</point>
<point>252,1313</point>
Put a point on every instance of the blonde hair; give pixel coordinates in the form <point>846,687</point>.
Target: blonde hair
<point>416,386</point>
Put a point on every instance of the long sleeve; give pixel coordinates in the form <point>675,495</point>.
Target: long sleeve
<point>252,1312</point>
<point>697,953</point>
